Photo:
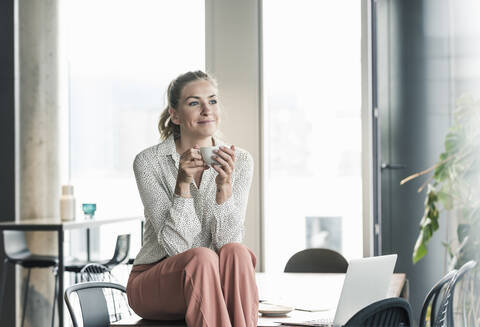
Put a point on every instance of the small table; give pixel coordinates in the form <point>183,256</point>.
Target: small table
<point>56,225</point>
<point>307,291</point>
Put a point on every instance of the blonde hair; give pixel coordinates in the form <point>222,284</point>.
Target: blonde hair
<point>165,125</point>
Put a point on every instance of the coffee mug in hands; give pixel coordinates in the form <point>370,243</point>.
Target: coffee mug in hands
<point>207,153</point>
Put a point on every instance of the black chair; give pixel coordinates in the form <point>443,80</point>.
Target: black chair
<point>122,249</point>
<point>17,253</point>
<point>95,272</point>
<point>94,307</point>
<point>432,298</point>
<point>391,312</point>
<point>317,260</point>
<point>445,312</point>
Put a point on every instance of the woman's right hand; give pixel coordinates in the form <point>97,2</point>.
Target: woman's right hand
<point>191,163</point>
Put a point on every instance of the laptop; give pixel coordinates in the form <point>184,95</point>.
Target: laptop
<point>367,281</point>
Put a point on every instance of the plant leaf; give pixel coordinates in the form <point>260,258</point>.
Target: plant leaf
<point>441,172</point>
<point>452,142</point>
<point>420,248</point>
<point>428,224</point>
<point>462,231</point>
<point>446,200</point>
<point>449,248</point>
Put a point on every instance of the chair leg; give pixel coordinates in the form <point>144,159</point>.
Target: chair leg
<point>2,290</point>
<point>114,305</point>
<point>54,298</point>
<point>27,286</point>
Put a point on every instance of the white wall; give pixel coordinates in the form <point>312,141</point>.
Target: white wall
<point>233,57</point>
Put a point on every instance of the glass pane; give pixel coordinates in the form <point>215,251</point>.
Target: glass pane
<point>465,47</point>
<point>312,122</point>
<point>122,55</point>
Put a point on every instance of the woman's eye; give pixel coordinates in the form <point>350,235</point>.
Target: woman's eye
<point>193,103</point>
<point>213,101</point>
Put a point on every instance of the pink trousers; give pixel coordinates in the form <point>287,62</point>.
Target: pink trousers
<point>200,286</point>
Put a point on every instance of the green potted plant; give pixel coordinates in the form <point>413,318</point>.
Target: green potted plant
<point>453,187</point>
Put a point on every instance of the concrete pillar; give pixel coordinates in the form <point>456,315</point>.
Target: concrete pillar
<point>232,56</point>
<point>39,144</point>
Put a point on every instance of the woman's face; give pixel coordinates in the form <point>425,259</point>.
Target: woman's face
<point>198,110</point>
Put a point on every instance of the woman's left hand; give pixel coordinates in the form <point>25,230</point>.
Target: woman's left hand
<point>225,156</point>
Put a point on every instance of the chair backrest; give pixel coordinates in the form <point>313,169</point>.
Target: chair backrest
<point>93,305</point>
<point>445,312</point>
<point>389,312</point>
<point>432,298</point>
<point>14,243</point>
<point>317,260</point>
<point>95,272</point>
<point>122,249</point>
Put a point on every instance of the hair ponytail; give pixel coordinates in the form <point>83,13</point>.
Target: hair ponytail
<point>166,127</point>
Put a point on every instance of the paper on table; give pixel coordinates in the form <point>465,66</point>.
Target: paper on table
<point>299,306</point>
<point>311,308</point>
<point>292,317</point>
<point>267,322</point>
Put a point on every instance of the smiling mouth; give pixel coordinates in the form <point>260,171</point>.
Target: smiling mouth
<point>206,121</point>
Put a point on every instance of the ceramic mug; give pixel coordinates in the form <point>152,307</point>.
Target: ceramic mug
<point>207,153</point>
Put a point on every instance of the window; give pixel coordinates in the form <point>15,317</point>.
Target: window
<point>121,57</point>
<point>312,128</point>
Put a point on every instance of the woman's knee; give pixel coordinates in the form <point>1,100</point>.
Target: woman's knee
<point>239,251</point>
<point>203,256</point>
<point>233,248</point>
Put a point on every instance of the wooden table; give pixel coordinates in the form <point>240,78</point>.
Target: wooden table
<point>309,291</point>
<point>56,225</point>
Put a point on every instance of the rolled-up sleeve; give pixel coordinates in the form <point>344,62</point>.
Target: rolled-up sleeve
<point>228,223</point>
<point>173,218</point>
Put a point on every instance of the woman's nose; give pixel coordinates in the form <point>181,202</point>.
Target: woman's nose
<point>206,108</point>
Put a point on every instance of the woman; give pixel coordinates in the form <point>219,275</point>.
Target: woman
<point>192,265</point>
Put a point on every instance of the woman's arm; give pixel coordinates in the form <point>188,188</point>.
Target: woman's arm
<point>227,225</point>
<point>173,217</point>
